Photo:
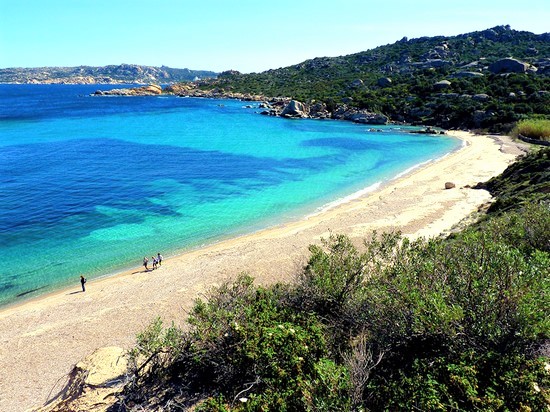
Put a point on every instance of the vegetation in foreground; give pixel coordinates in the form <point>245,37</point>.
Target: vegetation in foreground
<point>456,324</point>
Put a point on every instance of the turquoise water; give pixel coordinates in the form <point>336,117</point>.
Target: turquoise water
<point>92,184</point>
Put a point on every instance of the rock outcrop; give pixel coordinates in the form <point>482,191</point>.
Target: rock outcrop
<point>468,74</point>
<point>508,65</point>
<point>93,383</point>
<point>359,116</point>
<point>150,90</point>
<point>443,84</point>
<point>480,97</point>
<point>319,111</point>
<point>295,109</point>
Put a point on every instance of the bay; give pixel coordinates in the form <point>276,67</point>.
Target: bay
<point>92,184</point>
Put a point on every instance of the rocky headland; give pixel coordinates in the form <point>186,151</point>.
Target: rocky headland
<point>149,90</point>
<point>280,106</point>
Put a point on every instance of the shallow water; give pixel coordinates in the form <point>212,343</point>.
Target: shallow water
<point>92,184</point>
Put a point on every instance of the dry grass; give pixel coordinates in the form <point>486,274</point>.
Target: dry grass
<point>534,129</point>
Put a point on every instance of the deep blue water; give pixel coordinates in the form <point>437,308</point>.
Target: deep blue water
<point>92,184</point>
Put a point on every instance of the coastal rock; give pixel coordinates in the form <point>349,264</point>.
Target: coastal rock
<point>319,111</point>
<point>359,116</point>
<point>428,130</point>
<point>369,118</point>
<point>295,109</point>
<point>149,90</point>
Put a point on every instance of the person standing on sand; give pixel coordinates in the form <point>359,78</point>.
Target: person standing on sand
<point>159,259</point>
<point>82,282</point>
<point>145,263</point>
<point>154,259</point>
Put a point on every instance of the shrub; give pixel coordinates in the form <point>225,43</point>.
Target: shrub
<point>441,324</point>
<point>156,348</point>
<point>470,381</point>
<point>252,352</point>
<point>522,183</point>
<point>526,229</point>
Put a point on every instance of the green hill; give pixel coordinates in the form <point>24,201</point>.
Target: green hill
<point>459,81</point>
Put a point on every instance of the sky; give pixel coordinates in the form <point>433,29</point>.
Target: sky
<point>244,35</point>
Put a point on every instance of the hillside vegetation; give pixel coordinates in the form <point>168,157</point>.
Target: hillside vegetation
<point>451,82</point>
<point>456,324</point>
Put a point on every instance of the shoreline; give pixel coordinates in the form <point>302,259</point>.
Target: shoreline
<point>308,211</point>
<point>43,337</point>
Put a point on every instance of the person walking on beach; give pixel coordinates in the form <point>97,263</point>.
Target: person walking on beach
<point>83,282</point>
<point>159,259</point>
<point>145,263</point>
<point>154,259</point>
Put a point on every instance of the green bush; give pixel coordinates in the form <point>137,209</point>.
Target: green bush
<point>470,381</point>
<point>441,324</point>
<point>156,348</point>
<point>248,351</point>
<point>523,183</point>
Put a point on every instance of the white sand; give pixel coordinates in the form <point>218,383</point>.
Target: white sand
<point>42,339</point>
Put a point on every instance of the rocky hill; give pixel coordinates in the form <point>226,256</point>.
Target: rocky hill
<point>122,73</point>
<point>485,79</point>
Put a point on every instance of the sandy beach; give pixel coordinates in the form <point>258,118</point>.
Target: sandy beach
<point>42,339</point>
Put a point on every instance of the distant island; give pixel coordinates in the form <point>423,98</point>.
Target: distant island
<point>113,74</point>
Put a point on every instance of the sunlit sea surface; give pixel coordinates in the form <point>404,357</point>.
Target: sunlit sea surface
<point>92,184</point>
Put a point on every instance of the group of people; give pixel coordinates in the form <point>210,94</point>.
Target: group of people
<point>156,261</point>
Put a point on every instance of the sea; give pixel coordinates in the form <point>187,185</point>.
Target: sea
<point>92,184</point>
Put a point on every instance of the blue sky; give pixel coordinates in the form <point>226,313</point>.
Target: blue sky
<point>244,35</point>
